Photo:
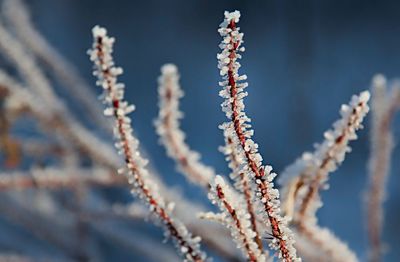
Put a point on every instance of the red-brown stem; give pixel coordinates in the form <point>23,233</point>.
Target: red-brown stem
<point>232,212</point>
<point>129,160</point>
<point>315,183</point>
<point>258,173</point>
<point>246,190</point>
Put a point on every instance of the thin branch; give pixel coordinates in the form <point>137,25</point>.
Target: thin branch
<point>239,129</point>
<point>22,98</point>
<point>385,104</point>
<point>303,180</point>
<point>16,13</point>
<point>236,219</point>
<point>136,170</point>
<point>242,184</point>
<point>329,247</point>
<point>52,178</point>
<point>330,154</point>
<point>172,137</point>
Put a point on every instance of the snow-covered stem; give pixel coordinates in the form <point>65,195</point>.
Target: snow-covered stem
<point>331,153</point>
<point>173,139</point>
<point>168,128</point>
<point>242,184</point>
<point>304,179</point>
<point>238,127</point>
<point>16,13</point>
<point>384,106</point>
<point>58,116</point>
<point>27,67</point>
<point>127,144</point>
<point>236,218</point>
<point>55,178</point>
<point>320,244</point>
<point>22,98</point>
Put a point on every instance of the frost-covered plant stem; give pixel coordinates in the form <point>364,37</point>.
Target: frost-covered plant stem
<point>242,184</point>
<point>236,218</point>
<point>303,180</point>
<point>136,171</point>
<point>51,178</point>
<point>332,151</point>
<point>384,106</point>
<point>239,128</point>
<point>28,101</point>
<point>168,128</point>
<point>16,13</point>
<point>322,245</point>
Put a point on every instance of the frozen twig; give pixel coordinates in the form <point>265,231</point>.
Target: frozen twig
<point>243,185</point>
<point>136,171</point>
<point>303,180</point>
<point>322,244</point>
<point>310,173</point>
<point>27,67</point>
<point>236,218</point>
<point>168,128</point>
<point>53,178</point>
<point>239,129</point>
<point>18,16</point>
<point>25,99</point>
<point>384,106</point>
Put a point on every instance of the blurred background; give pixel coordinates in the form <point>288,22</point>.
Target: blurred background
<point>303,60</point>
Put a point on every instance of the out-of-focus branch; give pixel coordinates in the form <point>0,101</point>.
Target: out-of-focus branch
<point>168,128</point>
<point>384,106</point>
<point>303,180</point>
<point>309,174</point>
<point>52,231</point>
<point>23,99</point>
<point>18,16</point>
<point>54,178</point>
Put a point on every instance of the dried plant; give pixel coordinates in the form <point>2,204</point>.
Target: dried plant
<point>56,191</point>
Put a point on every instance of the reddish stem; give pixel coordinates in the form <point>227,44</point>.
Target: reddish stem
<point>157,209</point>
<point>258,173</point>
<point>232,212</point>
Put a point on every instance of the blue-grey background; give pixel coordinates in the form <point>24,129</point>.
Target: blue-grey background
<point>303,60</point>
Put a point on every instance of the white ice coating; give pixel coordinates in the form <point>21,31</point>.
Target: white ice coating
<point>320,244</point>
<point>328,155</point>
<point>236,219</point>
<point>385,105</point>
<point>128,145</point>
<point>171,135</point>
<point>248,155</point>
<point>310,173</point>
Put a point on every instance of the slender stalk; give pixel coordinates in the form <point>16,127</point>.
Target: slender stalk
<point>238,128</point>
<point>138,175</point>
